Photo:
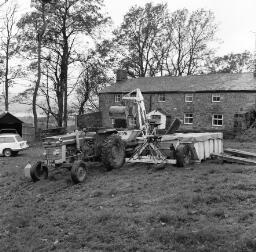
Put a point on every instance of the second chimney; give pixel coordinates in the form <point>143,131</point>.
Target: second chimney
<point>121,75</point>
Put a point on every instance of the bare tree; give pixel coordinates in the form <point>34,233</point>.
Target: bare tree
<point>154,42</point>
<point>94,76</point>
<point>138,36</point>
<point>3,3</point>
<point>8,45</point>
<point>188,37</point>
<point>69,20</point>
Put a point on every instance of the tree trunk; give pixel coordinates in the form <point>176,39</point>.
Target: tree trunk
<point>63,80</point>
<point>34,101</point>
<point>6,81</point>
<point>81,107</point>
<point>39,50</point>
<point>60,105</point>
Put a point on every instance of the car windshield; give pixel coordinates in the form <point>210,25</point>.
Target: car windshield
<point>18,138</point>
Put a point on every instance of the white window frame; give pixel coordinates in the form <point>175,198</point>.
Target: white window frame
<point>218,119</point>
<point>161,97</point>
<point>214,96</point>
<point>187,117</point>
<point>118,98</point>
<point>189,97</point>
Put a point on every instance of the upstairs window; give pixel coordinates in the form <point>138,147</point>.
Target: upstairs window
<point>188,97</point>
<point>215,97</point>
<point>188,118</point>
<point>118,97</point>
<point>161,97</point>
<point>217,120</point>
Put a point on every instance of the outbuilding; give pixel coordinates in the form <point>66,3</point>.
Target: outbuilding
<point>9,121</point>
<point>159,116</point>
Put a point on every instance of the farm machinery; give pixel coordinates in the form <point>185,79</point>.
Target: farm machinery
<point>73,150</point>
<point>138,143</point>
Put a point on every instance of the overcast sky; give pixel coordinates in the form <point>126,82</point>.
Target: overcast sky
<point>236,19</point>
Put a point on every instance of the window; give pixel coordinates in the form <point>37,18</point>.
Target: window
<point>117,97</point>
<point>188,97</point>
<point>188,118</point>
<point>7,140</point>
<point>216,98</point>
<point>156,118</point>
<point>217,120</point>
<point>120,124</point>
<point>161,97</point>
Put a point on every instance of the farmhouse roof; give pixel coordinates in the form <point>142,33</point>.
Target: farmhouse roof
<point>221,82</point>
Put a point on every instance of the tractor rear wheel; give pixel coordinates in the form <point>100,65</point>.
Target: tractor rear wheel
<point>183,155</point>
<point>78,172</point>
<point>38,171</point>
<point>113,152</point>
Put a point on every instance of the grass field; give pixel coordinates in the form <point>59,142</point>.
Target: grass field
<point>206,207</point>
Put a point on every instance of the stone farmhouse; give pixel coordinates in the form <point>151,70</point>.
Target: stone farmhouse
<point>203,102</point>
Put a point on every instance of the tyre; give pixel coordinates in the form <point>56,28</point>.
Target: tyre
<point>7,152</point>
<point>38,171</point>
<point>183,155</point>
<point>78,172</point>
<point>113,152</point>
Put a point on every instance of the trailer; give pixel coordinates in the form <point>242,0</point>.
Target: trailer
<point>180,149</point>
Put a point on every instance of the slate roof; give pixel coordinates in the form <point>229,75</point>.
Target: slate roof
<point>193,83</point>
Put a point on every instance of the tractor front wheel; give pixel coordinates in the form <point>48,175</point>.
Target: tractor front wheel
<point>113,152</point>
<point>38,171</point>
<point>78,172</point>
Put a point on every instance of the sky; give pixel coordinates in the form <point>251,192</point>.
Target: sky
<point>236,19</point>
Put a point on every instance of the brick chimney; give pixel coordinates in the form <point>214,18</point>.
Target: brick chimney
<point>121,75</point>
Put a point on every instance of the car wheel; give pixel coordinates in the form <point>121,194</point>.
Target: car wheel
<point>7,152</point>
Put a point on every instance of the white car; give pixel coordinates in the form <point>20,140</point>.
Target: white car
<point>11,144</point>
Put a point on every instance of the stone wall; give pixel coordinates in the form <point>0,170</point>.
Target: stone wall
<point>202,108</point>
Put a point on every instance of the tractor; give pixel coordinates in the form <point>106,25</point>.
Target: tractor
<point>73,150</point>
